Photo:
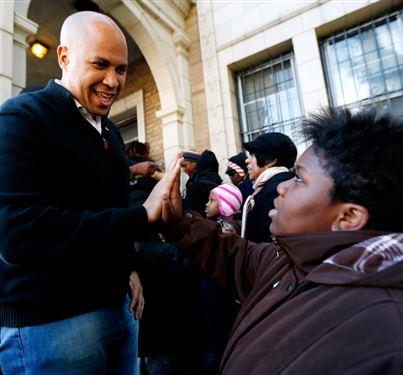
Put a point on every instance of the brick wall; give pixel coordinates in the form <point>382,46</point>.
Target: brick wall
<point>200,121</point>
<point>139,77</point>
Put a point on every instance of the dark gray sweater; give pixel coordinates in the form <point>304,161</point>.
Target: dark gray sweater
<point>65,229</point>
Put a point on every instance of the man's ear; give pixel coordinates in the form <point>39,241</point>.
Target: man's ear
<point>62,57</point>
<point>350,217</point>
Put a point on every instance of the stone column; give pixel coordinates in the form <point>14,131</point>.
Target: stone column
<point>6,49</point>
<point>309,71</point>
<point>214,101</point>
<point>14,29</point>
<point>172,131</point>
<point>182,44</point>
<point>23,27</point>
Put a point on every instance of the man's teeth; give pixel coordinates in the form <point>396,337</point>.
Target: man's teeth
<point>106,96</point>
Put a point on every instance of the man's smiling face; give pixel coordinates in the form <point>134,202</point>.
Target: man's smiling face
<point>94,67</point>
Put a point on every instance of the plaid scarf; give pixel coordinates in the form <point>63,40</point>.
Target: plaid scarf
<point>371,256</point>
<point>258,187</point>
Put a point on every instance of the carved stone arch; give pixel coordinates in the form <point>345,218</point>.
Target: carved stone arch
<point>154,49</point>
<point>160,46</point>
<point>22,7</point>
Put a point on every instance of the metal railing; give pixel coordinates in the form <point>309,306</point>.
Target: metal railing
<point>364,65</point>
<point>269,99</point>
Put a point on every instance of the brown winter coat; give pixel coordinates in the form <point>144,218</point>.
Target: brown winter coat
<point>300,315</point>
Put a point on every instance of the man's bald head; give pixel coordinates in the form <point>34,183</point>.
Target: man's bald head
<point>82,24</point>
<point>93,57</point>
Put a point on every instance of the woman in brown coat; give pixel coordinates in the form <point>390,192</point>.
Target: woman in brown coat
<point>326,297</point>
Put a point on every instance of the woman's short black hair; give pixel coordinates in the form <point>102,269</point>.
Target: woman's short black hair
<point>263,159</point>
<point>273,147</point>
<point>363,153</point>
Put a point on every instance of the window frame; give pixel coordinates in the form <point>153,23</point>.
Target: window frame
<point>373,100</point>
<point>246,131</point>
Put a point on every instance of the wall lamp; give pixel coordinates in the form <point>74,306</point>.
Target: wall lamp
<point>39,50</point>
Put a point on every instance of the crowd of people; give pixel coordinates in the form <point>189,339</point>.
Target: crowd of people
<point>287,267</point>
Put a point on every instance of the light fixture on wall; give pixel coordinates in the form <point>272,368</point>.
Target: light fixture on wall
<point>39,50</point>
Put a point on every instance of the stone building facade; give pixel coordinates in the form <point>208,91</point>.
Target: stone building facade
<point>212,74</point>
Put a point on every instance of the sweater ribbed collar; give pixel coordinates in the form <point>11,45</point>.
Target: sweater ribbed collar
<point>62,98</point>
<point>59,96</point>
<point>94,120</point>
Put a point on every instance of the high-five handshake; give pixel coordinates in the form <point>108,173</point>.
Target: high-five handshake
<point>165,200</point>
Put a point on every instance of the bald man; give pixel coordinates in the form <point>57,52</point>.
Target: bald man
<point>65,229</point>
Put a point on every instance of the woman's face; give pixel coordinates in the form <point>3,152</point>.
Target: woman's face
<point>188,167</point>
<point>304,202</point>
<point>254,170</point>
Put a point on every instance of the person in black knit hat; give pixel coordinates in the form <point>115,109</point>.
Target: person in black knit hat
<point>203,177</point>
<point>189,163</point>
<point>271,156</point>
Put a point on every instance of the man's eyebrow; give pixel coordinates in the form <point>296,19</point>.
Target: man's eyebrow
<point>99,58</point>
<point>103,60</point>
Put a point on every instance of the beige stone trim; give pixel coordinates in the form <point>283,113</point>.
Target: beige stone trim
<point>23,27</point>
<point>158,30</point>
<point>183,6</point>
<point>6,49</point>
<point>14,29</point>
<point>181,42</point>
<point>172,130</point>
<point>217,87</point>
<point>271,24</point>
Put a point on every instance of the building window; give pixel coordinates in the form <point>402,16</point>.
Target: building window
<point>128,114</point>
<point>269,99</point>
<point>127,125</point>
<point>364,65</point>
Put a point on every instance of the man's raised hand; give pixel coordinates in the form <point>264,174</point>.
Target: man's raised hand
<point>153,204</point>
<point>172,203</point>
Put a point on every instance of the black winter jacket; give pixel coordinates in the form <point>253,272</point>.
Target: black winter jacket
<point>65,229</point>
<point>258,220</point>
<point>204,179</point>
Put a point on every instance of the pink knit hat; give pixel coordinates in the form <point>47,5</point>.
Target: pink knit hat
<point>229,199</point>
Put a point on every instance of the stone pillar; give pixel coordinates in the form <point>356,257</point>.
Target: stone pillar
<point>182,44</point>
<point>6,49</point>
<point>14,29</point>
<point>214,101</point>
<point>308,65</point>
<point>172,131</point>
<point>23,27</point>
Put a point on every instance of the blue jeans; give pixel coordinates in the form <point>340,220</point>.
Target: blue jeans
<point>96,343</point>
